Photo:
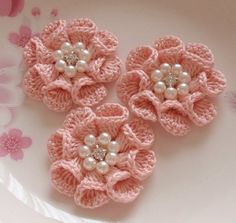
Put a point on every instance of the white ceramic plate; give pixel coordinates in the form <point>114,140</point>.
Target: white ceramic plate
<point>195,177</point>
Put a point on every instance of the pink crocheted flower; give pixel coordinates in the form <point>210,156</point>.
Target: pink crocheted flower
<point>69,64</point>
<point>99,156</point>
<point>172,83</point>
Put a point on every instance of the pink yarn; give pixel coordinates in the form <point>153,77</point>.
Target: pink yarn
<point>123,182</point>
<point>135,87</point>
<point>55,89</point>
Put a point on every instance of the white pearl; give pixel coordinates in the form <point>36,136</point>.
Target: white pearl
<point>81,66</point>
<point>89,163</point>
<point>156,75</point>
<point>84,151</point>
<point>104,138</point>
<point>70,70</point>
<point>159,87</point>
<point>79,46</point>
<point>60,65</point>
<point>184,77</point>
<point>58,54</point>
<point>176,68</point>
<point>165,68</point>
<point>111,158</point>
<point>183,89</point>
<point>170,93</point>
<point>84,55</point>
<point>102,167</point>
<point>114,147</point>
<point>90,140</point>
<point>66,47</point>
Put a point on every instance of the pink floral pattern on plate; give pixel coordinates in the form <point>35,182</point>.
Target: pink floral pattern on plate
<point>11,8</point>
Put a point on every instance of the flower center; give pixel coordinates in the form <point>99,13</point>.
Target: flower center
<point>11,144</point>
<point>99,152</point>
<point>170,81</point>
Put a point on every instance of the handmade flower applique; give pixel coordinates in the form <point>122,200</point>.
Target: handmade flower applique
<point>98,156</point>
<point>69,63</point>
<point>173,83</point>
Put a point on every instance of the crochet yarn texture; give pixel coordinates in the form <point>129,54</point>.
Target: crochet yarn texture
<point>69,63</point>
<point>172,83</point>
<point>98,156</point>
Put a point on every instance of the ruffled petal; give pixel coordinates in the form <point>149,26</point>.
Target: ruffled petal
<point>173,118</point>
<point>110,118</point>
<point>122,187</point>
<point>136,134</point>
<point>140,163</point>
<point>86,92</point>
<point>213,83</point>
<point>66,175</point>
<point>105,70</point>
<point>144,104</point>
<point>81,122</point>
<point>54,34</point>
<point>91,192</point>
<point>81,30</point>
<point>142,58</point>
<point>131,83</point>
<point>47,72</point>
<point>170,49</point>
<point>199,109</point>
<point>57,96</point>
<point>103,43</point>
<point>197,58</point>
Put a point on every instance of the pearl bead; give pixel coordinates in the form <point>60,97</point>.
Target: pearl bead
<point>81,66</point>
<point>159,87</point>
<point>79,46</point>
<point>84,55</point>
<point>165,68</point>
<point>111,158</point>
<point>84,151</point>
<point>170,93</point>
<point>89,163</point>
<point>114,147</point>
<point>66,47</point>
<point>156,75</point>
<point>60,65</point>
<point>183,89</point>
<point>104,138</point>
<point>184,77</point>
<point>90,140</point>
<point>176,68</point>
<point>102,167</point>
<point>70,70</point>
<point>58,54</point>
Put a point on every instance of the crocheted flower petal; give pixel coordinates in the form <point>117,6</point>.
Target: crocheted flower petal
<point>200,110</point>
<point>131,83</point>
<point>139,162</point>
<point>122,187</point>
<point>197,58</point>
<point>47,72</point>
<point>144,104</point>
<point>57,96</point>
<point>136,134</point>
<point>105,70</point>
<point>110,118</point>
<point>81,30</point>
<point>213,83</point>
<point>170,49</point>
<point>103,43</point>
<point>91,192</point>
<point>87,92</point>
<point>66,175</point>
<point>173,118</point>
<point>36,52</point>
<point>142,58</point>
<point>81,122</point>
<point>54,34</point>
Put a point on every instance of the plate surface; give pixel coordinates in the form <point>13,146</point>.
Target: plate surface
<point>195,177</point>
